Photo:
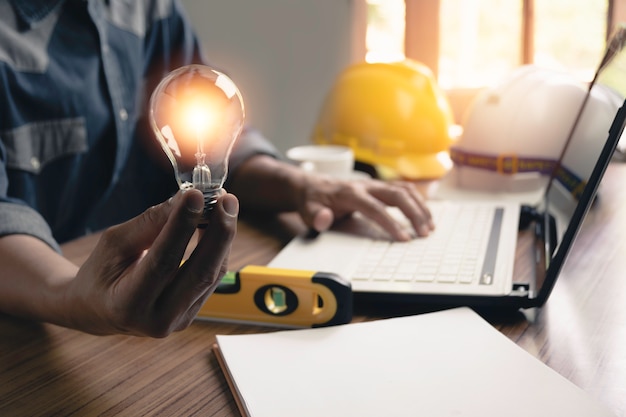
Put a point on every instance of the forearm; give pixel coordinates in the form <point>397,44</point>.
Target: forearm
<point>266,183</point>
<point>33,278</point>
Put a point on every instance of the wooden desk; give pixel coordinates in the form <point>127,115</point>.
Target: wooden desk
<point>48,370</point>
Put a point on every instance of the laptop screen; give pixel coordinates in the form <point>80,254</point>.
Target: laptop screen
<point>582,146</point>
<point>572,188</point>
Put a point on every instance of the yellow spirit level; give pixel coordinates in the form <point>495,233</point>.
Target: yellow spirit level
<point>280,297</point>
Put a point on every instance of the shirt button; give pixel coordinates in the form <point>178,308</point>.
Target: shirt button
<point>34,162</point>
<point>123,114</point>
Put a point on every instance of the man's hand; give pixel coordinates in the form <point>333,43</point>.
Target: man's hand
<point>263,182</point>
<point>325,199</point>
<point>133,282</point>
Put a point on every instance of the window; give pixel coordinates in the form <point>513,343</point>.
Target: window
<point>479,41</point>
<point>385,30</point>
<point>470,43</point>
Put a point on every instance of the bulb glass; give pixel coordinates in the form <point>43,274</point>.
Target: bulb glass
<point>197,114</point>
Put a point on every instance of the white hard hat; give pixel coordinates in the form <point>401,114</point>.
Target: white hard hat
<point>514,133</point>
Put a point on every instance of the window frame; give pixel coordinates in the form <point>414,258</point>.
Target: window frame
<point>422,40</point>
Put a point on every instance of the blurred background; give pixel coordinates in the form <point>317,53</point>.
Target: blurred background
<point>285,54</point>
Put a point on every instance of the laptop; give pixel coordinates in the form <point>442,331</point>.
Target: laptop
<point>475,267</point>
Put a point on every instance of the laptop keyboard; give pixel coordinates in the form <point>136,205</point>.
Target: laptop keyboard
<point>452,253</point>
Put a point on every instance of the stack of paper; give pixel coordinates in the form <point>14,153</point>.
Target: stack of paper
<point>448,363</point>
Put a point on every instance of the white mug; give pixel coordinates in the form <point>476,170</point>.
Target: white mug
<point>332,160</point>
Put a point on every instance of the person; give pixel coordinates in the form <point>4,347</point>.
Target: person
<point>77,155</point>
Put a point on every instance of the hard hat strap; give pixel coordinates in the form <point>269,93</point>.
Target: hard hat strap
<point>503,163</point>
<point>510,164</point>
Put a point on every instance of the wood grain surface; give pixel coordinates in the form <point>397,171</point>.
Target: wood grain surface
<point>46,370</point>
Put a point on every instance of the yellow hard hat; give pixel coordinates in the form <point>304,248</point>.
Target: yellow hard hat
<point>392,115</point>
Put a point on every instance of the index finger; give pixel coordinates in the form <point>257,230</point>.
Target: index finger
<point>410,202</point>
<point>201,273</point>
<point>157,269</point>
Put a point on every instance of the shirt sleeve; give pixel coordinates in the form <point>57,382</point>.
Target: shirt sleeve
<point>250,143</point>
<point>17,218</point>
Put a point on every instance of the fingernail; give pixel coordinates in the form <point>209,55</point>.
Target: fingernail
<point>231,205</point>
<point>195,203</point>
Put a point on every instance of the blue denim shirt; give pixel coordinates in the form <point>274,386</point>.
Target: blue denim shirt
<point>76,152</point>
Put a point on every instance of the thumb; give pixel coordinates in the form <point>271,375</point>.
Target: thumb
<point>317,216</point>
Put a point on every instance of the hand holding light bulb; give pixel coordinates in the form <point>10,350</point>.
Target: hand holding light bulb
<point>197,114</point>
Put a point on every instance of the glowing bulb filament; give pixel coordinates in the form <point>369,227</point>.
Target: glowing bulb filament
<point>201,177</point>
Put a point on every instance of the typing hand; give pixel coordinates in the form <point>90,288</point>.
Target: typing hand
<point>326,199</point>
<point>133,282</point>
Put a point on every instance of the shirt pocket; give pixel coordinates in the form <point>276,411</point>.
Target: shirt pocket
<point>30,147</point>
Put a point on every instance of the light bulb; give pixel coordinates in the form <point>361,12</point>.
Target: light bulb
<point>197,114</point>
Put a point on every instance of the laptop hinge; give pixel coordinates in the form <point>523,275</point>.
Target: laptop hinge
<point>520,290</point>
<point>530,215</point>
